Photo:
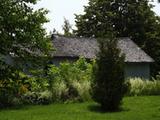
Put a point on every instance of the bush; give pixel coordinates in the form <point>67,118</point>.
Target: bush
<point>44,97</point>
<point>59,91</point>
<point>144,87</point>
<point>157,77</point>
<point>83,89</point>
<point>70,81</point>
<point>38,81</point>
<point>12,89</point>
<point>109,84</point>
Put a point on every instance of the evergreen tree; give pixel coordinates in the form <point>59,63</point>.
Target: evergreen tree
<point>67,28</point>
<point>108,75</point>
<point>131,18</point>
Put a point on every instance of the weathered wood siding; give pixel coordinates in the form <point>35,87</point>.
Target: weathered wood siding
<point>141,70</point>
<point>57,60</point>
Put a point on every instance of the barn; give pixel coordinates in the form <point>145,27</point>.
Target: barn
<point>137,62</point>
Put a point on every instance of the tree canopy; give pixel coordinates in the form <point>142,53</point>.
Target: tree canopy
<point>22,35</point>
<point>131,18</point>
<point>67,28</point>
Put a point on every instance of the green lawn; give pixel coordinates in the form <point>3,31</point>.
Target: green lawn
<point>134,108</point>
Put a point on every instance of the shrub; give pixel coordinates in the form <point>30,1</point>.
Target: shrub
<point>38,81</point>
<point>108,77</point>
<point>12,89</point>
<point>37,97</point>
<point>37,88</point>
<point>70,81</point>
<point>59,91</point>
<point>83,89</point>
<point>157,77</point>
<point>144,87</point>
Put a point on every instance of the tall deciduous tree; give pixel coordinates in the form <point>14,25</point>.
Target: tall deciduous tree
<point>22,37</point>
<point>131,18</point>
<point>21,33</point>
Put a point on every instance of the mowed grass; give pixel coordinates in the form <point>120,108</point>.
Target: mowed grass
<point>134,108</point>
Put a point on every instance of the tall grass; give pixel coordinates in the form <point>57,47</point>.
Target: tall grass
<point>144,87</point>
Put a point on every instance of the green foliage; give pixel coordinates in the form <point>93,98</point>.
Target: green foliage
<point>108,77</point>
<point>21,27</point>
<point>38,80</point>
<point>144,87</point>
<point>70,81</point>
<point>38,92</point>
<point>131,18</point>
<point>23,39</point>
<point>24,88</point>
<point>157,77</point>
<point>44,97</point>
<point>21,35</point>
<point>67,28</point>
<point>11,90</point>
<point>83,89</point>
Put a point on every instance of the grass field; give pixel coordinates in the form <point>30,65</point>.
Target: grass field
<point>134,108</point>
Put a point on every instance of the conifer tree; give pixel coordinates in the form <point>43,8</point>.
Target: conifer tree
<point>67,28</point>
<point>108,75</point>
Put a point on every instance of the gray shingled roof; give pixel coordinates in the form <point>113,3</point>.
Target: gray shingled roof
<point>87,47</point>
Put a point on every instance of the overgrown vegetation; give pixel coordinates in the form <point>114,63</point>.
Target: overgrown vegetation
<point>141,87</point>
<point>71,81</point>
<point>66,83</point>
<point>11,90</point>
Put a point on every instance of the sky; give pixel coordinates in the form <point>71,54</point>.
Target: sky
<point>58,9</point>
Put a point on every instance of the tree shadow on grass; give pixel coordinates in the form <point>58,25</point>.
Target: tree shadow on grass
<point>98,109</point>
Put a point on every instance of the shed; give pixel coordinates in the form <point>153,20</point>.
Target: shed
<point>137,62</point>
